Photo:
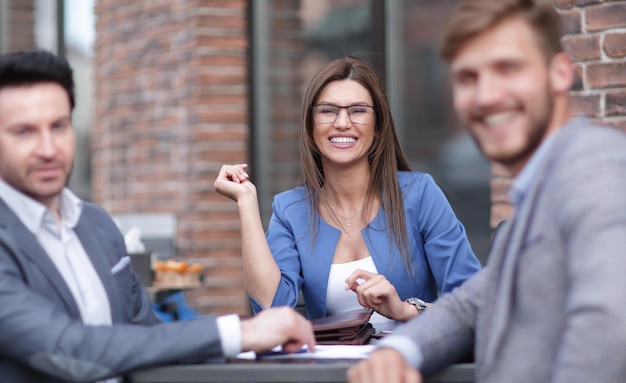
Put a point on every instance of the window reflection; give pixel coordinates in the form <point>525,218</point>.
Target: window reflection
<point>434,140</point>
<point>304,35</point>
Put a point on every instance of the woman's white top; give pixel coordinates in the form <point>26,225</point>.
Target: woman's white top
<point>339,300</point>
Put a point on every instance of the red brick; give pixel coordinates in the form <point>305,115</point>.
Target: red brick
<point>615,45</point>
<point>498,170</point>
<point>26,17</point>
<point>584,3</point>
<point>578,83</point>
<point>564,4</point>
<point>582,48</point>
<point>229,42</point>
<point>605,16</point>
<point>569,4</point>
<point>235,22</point>
<point>500,189</point>
<point>589,105</point>
<point>500,212</point>
<point>571,21</point>
<point>615,103</point>
<point>20,30</point>
<point>606,75</point>
<point>219,4</point>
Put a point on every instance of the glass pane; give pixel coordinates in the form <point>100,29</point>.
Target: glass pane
<point>79,37</point>
<point>434,140</point>
<point>300,37</point>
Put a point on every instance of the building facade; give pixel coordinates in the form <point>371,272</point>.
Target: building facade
<point>183,86</point>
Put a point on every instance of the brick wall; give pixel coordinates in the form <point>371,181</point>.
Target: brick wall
<point>595,38</point>
<point>20,17</point>
<point>171,107</point>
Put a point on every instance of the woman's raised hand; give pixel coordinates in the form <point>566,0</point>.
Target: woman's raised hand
<point>232,182</point>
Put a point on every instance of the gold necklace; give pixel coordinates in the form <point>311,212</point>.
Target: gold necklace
<point>348,220</point>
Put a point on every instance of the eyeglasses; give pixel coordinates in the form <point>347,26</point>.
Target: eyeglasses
<point>358,114</point>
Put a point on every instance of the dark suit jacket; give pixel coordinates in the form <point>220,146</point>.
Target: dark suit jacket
<point>550,306</point>
<point>42,338</point>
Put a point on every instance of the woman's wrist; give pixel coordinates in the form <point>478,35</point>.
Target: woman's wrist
<point>248,200</point>
<point>410,312</point>
<point>417,306</point>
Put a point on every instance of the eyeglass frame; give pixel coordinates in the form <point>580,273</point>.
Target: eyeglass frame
<point>374,110</point>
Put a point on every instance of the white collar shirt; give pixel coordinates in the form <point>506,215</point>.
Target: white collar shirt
<point>65,250</point>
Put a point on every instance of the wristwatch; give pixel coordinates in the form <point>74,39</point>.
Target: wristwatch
<point>419,304</point>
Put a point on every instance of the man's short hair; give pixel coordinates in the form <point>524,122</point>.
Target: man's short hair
<point>36,66</point>
<point>472,17</point>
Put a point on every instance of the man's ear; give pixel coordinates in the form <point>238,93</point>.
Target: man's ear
<point>561,73</point>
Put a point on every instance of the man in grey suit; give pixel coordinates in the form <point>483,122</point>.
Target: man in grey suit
<point>71,308</point>
<point>550,305</point>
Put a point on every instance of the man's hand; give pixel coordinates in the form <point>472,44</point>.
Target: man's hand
<point>277,326</point>
<point>385,365</point>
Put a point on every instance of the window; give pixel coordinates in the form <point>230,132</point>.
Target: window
<point>291,40</point>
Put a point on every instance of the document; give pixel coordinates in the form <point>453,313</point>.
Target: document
<point>339,351</point>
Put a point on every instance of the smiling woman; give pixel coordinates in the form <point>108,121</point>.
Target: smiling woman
<point>361,230</point>
<point>344,137</point>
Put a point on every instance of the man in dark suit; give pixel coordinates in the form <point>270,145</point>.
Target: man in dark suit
<point>71,306</point>
<point>550,305</point>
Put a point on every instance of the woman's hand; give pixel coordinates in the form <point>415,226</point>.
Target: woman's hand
<point>232,182</point>
<point>376,292</point>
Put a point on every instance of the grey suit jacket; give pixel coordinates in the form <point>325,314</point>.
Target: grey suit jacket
<point>550,306</point>
<point>42,338</point>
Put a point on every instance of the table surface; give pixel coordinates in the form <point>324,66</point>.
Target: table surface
<point>278,371</point>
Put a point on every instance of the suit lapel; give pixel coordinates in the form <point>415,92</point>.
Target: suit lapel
<point>503,295</point>
<point>511,247</point>
<point>495,310</point>
<point>28,247</point>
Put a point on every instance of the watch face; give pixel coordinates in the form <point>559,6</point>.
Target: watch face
<point>417,302</point>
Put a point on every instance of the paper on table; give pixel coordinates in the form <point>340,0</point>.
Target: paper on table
<point>321,352</point>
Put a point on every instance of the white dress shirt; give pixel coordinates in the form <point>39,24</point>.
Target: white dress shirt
<point>64,249</point>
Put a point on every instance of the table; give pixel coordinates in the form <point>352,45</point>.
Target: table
<point>278,371</point>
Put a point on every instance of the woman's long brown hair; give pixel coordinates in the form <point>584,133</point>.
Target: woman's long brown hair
<point>386,156</point>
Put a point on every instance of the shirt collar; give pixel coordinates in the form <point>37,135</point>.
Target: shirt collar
<point>521,184</point>
<point>32,213</point>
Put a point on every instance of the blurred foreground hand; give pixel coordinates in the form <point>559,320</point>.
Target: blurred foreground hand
<point>384,365</point>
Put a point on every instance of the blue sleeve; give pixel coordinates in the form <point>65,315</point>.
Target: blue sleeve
<point>448,251</point>
<point>282,243</point>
